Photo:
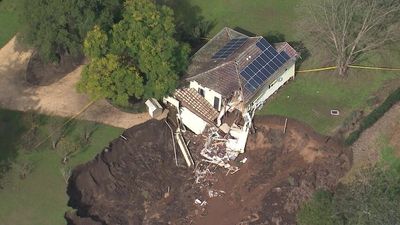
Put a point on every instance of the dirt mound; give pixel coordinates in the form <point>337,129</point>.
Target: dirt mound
<point>137,182</point>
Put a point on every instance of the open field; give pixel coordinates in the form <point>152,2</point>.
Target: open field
<point>40,198</point>
<point>257,16</point>
<point>9,22</point>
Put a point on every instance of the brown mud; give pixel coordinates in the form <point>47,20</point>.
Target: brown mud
<point>137,182</point>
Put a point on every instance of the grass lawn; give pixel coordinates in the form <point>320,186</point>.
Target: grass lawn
<point>41,197</point>
<point>9,22</point>
<point>256,16</point>
<point>310,97</point>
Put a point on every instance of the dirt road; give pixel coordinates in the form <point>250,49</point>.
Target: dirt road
<point>59,98</point>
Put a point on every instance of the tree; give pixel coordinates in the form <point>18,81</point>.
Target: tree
<point>66,149</point>
<point>371,198</point>
<point>350,28</point>
<point>59,27</point>
<point>138,58</point>
<point>55,129</point>
<point>107,77</point>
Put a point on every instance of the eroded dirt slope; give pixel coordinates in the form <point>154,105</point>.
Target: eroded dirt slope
<point>137,181</point>
<point>129,184</point>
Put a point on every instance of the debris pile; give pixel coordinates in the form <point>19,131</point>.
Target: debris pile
<point>215,150</point>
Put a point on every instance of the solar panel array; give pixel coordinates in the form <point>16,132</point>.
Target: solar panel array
<point>266,64</point>
<point>229,48</point>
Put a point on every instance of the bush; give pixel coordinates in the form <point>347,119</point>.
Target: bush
<point>318,211</point>
<point>374,116</point>
<point>372,198</point>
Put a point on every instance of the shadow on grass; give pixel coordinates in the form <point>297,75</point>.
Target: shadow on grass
<point>244,31</point>
<point>12,127</point>
<point>191,26</point>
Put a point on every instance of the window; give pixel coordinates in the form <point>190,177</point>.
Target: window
<point>273,82</point>
<point>201,91</point>
<point>216,103</point>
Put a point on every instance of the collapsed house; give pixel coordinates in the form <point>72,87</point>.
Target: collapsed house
<point>232,75</point>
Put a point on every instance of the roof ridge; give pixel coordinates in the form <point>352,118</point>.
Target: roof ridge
<point>230,30</point>
<point>210,41</point>
<point>240,56</point>
<point>239,80</point>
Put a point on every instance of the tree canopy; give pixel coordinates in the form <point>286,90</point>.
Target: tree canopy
<point>138,58</point>
<point>59,27</point>
<point>372,198</point>
<point>348,29</point>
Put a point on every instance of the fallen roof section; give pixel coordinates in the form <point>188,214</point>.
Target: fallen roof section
<point>192,100</point>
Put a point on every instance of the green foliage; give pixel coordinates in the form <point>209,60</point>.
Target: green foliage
<point>95,43</point>
<point>318,211</point>
<point>374,116</point>
<point>107,77</point>
<point>372,198</point>
<point>139,58</point>
<point>59,26</point>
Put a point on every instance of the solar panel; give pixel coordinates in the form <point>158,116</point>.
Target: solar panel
<point>266,64</point>
<point>229,48</point>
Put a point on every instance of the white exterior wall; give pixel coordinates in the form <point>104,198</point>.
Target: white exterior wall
<point>208,93</point>
<point>192,121</point>
<point>289,73</point>
<point>153,107</point>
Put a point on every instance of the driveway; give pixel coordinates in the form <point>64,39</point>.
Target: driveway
<point>59,98</point>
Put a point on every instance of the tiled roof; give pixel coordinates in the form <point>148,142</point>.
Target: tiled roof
<point>284,46</point>
<point>196,103</point>
<point>222,79</point>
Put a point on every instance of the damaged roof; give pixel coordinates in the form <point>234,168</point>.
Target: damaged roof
<point>192,100</point>
<point>232,61</point>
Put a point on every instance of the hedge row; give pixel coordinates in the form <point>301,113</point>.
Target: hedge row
<point>369,120</point>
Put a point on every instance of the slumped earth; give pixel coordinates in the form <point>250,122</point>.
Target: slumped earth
<point>136,180</point>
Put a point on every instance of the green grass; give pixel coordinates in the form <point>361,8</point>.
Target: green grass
<point>41,197</point>
<point>389,155</point>
<point>9,22</point>
<point>256,16</point>
<point>309,98</point>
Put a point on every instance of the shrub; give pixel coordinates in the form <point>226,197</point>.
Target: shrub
<point>374,116</point>
<point>318,211</point>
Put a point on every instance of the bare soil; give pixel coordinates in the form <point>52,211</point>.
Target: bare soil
<point>137,181</point>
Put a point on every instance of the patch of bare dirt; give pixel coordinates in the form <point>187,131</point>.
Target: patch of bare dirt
<point>39,72</point>
<point>137,181</point>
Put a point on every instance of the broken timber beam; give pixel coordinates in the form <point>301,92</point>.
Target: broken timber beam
<point>284,128</point>
<point>184,149</point>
